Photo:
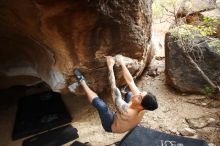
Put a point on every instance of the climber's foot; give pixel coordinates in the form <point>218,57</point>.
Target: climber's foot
<point>79,75</point>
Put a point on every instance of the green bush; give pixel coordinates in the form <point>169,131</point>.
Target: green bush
<point>207,28</point>
<point>208,91</point>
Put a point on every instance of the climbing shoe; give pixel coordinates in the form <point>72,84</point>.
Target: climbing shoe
<point>79,75</point>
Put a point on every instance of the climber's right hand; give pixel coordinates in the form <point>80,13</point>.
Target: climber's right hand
<point>119,59</point>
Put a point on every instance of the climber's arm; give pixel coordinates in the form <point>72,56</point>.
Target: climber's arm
<point>120,104</point>
<point>127,76</point>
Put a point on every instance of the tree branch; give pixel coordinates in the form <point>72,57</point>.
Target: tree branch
<point>186,53</point>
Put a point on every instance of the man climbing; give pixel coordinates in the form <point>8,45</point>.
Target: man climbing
<point>129,111</point>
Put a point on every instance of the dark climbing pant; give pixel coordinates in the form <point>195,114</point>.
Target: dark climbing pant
<point>106,115</point>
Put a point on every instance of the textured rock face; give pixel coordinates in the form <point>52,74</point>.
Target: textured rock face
<point>48,39</point>
<point>182,75</point>
<point>188,7</point>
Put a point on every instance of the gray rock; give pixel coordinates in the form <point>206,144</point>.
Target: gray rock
<point>174,131</point>
<point>193,6</point>
<point>212,120</point>
<point>182,75</point>
<point>187,132</point>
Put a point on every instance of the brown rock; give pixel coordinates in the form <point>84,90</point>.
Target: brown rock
<point>49,39</point>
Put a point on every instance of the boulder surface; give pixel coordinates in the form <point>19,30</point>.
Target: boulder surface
<point>45,40</point>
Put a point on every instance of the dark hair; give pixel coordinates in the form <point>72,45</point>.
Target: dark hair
<point>149,102</point>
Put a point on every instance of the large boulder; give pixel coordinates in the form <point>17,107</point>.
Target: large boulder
<point>48,39</point>
<point>188,7</point>
<point>182,74</point>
